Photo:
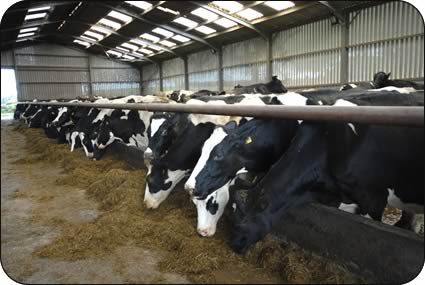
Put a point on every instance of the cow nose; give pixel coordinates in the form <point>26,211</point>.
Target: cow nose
<point>206,232</point>
<point>150,204</point>
<point>189,188</point>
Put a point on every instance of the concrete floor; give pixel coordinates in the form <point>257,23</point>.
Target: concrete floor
<point>27,189</point>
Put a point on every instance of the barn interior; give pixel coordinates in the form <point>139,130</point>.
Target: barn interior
<point>67,218</point>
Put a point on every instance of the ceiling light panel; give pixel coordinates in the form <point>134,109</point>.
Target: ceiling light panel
<point>28,30</point>
<point>167,43</point>
<point>140,4</point>
<point>88,38</point>
<point>226,23</point>
<point>205,14</point>
<point>231,6</point>
<point>110,23</point>
<point>138,54</point>
<point>126,19</point>
<point>250,14</point>
<point>130,46</point>
<point>35,16</point>
<point>86,44</point>
<point>180,38</point>
<point>94,35</point>
<point>123,49</point>
<point>150,37</point>
<point>38,9</point>
<point>186,22</point>
<point>128,57</point>
<point>279,5</point>
<point>155,48</point>
<point>138,42</point>
<point>25,35</point>
<point>205,30</point>
<point>163,32</point>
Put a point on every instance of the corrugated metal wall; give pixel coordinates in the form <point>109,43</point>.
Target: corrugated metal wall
<point>51,72</point>
<point>308,55</point>
<point>7,58</point>
<point>203,71</point>
<point>150,79</point>
<point>173,74</point>
<point>244,63</point>
<point>387,38</point>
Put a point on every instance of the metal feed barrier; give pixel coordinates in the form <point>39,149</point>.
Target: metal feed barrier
<point>400,116</point>
<point>377,251</point>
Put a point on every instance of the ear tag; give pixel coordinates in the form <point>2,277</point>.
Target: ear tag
<point>248,140</point>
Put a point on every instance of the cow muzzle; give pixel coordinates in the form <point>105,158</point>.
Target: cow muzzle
<point>207,232</point>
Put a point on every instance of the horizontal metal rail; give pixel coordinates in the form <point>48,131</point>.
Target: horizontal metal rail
<point>400,116</point>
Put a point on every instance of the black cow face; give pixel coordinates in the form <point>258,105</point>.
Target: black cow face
<point>104,134</point>
<point>245,235</point>
<point>63,117</point>
<point>276,86</point>
<point>380,79</point>
<point>157,177</point>
<point>224,161</point>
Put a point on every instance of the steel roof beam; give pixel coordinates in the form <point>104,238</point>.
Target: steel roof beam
<point>230,17</point>
<point>126,11</point>
<point>334,11</point>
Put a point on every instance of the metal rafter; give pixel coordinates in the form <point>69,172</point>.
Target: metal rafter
<point>230,17</point>
<point>126,11</point>
<point>334,11</point>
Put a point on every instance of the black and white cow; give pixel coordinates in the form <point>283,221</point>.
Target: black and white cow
<point>169,169</point>
<point>371,164</point>
<point>382,79</point>
<point>20,109</point>
<point>180,96</point>
<point>275,86</point>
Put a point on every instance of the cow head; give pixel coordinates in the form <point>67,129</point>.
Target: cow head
<point>276,86</point>
<point>105,135</point>
<point>160,180</point>
<point>210,209</point>
<point>248,233</point>
<point>380,79</point>
<point>62,117</point>
<point>88,142</point>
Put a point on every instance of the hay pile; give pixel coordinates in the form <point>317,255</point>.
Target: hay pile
<point>118,191</point>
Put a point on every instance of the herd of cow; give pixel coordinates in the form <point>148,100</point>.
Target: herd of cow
<point>256,168</point>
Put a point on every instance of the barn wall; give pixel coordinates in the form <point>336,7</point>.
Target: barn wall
<point>150,79</point>
<point>244,63</point>
<point>50,72</point>
<point>387,37</point>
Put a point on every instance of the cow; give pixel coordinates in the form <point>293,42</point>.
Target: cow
<point>166,171</point>
<point>20,109</point>
<point>275,86</point>
<point>180,96</point>
<point>359,85</point>
<point>204,92</point>
<point>371,164</point>
<point>381,79</point>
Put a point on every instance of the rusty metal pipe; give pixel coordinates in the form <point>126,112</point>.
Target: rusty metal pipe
<point>399,116</point>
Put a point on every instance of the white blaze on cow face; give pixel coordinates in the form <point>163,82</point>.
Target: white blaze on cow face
<point>395,202</point>
<point>73,136</point>
<point>156,123</point>
<point>88,154</point>
<point>61,111</point>
<point>216,137</point>
<point>153,200</point>
<point>210,210</point>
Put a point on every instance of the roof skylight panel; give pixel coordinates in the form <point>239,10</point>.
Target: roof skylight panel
<point>180,38</point>
<point>186,22</point>
<point>163,32</point>
<point>138,42</point>
<point>110,23</point>
<point>138,54</point>
<point>94,35</point>
<point>250,14</point>
<point>119,16</point>
<point>123,49</point>
<point>226,23</point>
<point>167,43</point>
<point>83,43</point>
<point>100,30</point>
<point>140,4</point>
<point>150,37</point>
<point>35,16</point>
<point>88,38</point>
<point>155,48</point>
<point>168,10</point>
<point>205,30</point>
<point>231,6</point>
<point>279,5</point>
<point>38,9</point>
<point>146,51</point>
<point>114,53</point>
<point>204,14</point>
<point>128,57</point>
<point>28,30</point>
<point>25,35</point>
<point>130,46</point>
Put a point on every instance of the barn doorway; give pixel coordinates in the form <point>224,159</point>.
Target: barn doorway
<point>8,93</point>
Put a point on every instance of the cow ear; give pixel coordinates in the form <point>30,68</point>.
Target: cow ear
<point>388,75</point>
<point>274,77</point>
<point>230,126</point>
